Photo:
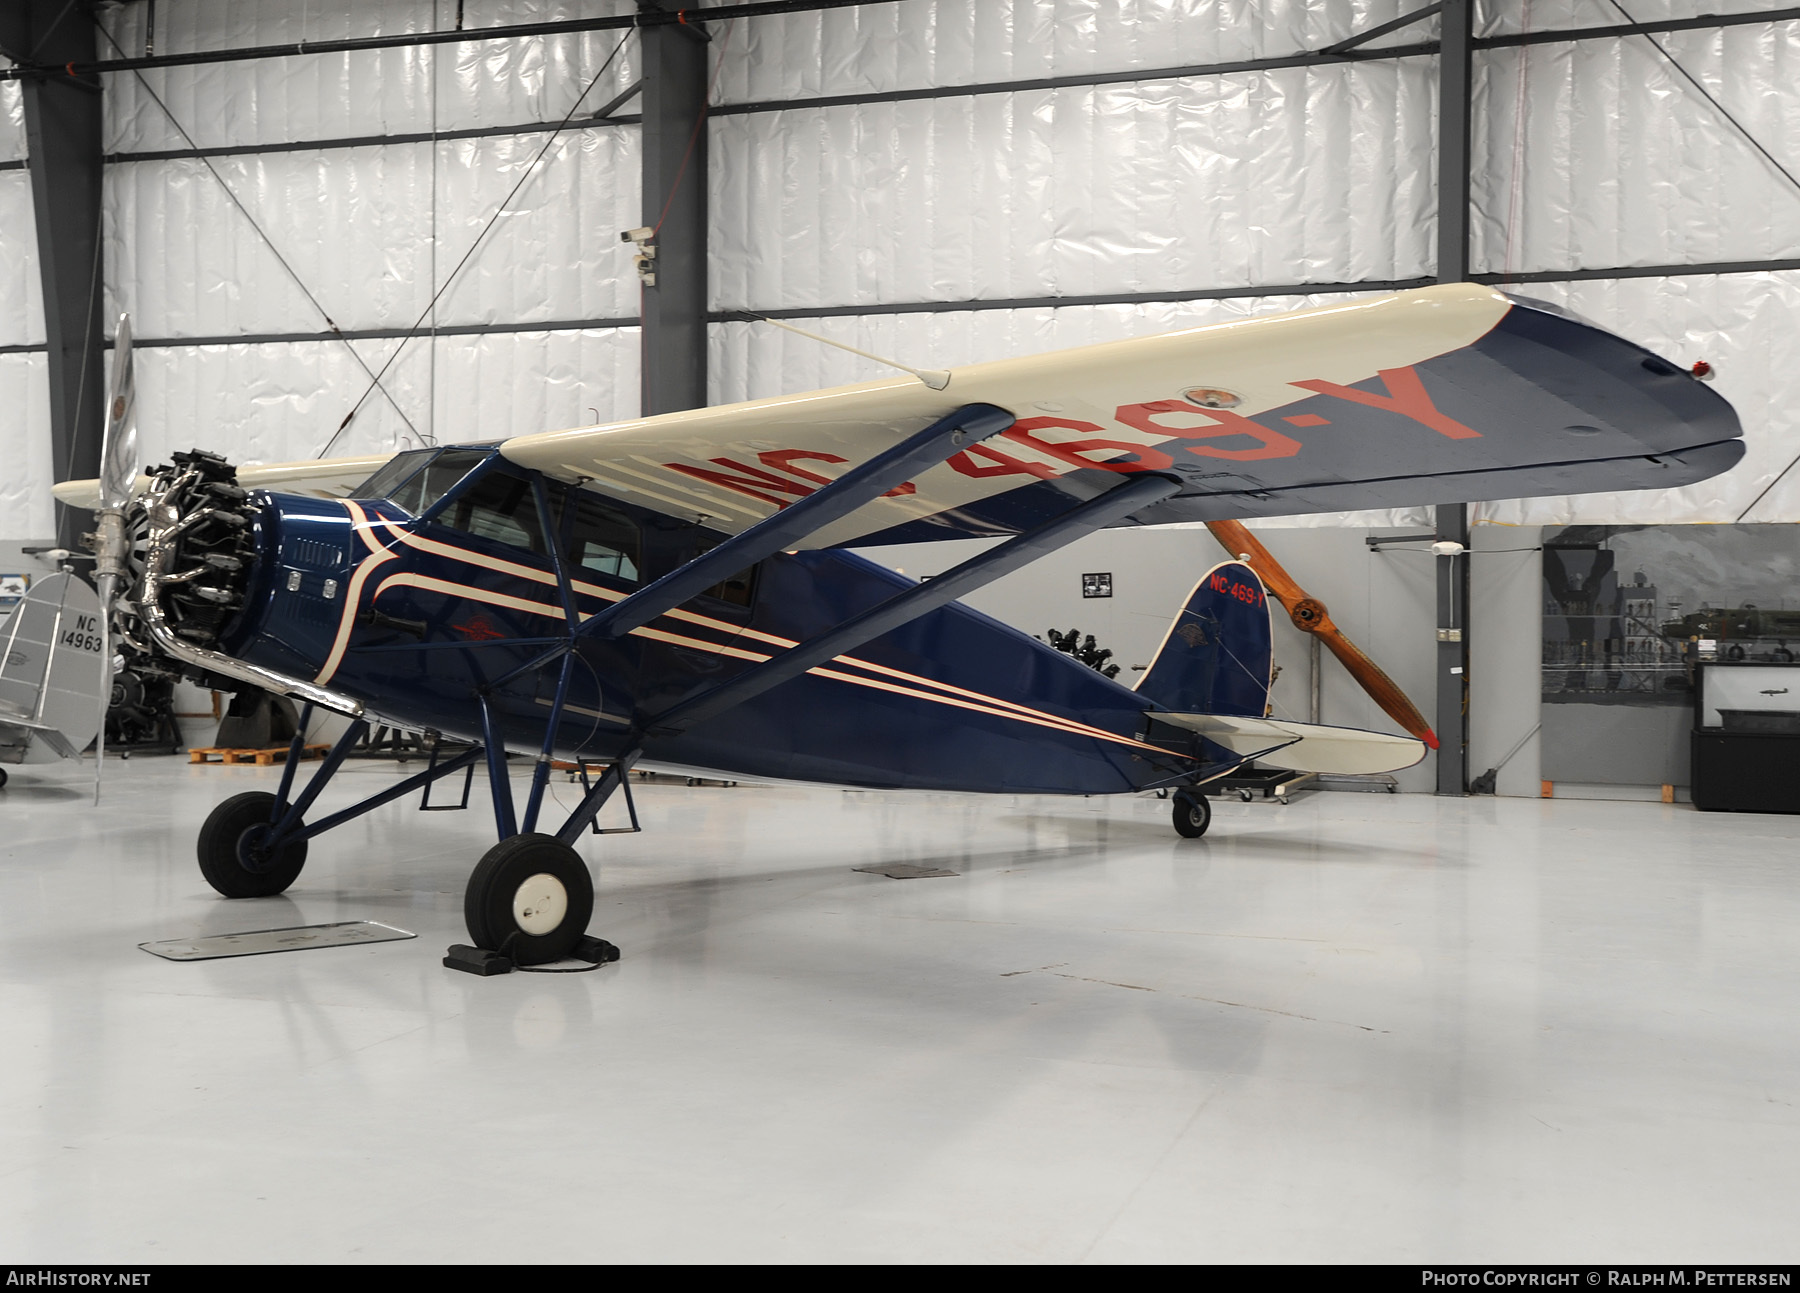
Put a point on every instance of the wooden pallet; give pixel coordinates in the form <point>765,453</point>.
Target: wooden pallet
<point>261,758</point>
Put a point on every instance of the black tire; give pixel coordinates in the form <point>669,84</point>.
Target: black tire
<point>228,849</point>
<point>2,777</point>
<point>1193,814</point>
<point>501,907</point>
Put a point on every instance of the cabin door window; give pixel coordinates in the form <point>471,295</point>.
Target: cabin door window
<point>603,540</point>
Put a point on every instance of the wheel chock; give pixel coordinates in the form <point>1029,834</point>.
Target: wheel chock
<point>595,951</point>
<point>477,960</point>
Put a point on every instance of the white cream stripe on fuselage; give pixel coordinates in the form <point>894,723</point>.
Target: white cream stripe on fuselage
<point>594,590</point>
<point>545,609</point>
<point>406,579</point>
<point>971,700</point>
<point>378,553</point>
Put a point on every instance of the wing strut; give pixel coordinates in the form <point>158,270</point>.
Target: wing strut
<point>1022,550</point>
<point>860,485</point>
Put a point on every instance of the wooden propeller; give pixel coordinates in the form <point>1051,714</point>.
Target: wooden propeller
<point>1310,616</point>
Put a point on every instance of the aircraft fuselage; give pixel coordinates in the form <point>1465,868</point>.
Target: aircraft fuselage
<point>414,616</point>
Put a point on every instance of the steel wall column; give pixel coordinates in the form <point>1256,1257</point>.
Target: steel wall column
<point>674,102</point>
<point>1454,67</point>
<point>62,139</point>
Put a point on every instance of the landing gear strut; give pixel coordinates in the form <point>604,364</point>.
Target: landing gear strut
<point>528,901</point>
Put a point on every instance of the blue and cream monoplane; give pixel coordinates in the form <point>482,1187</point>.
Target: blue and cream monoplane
<point>678,588</point>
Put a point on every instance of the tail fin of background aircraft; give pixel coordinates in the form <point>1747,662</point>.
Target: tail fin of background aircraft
<point>1215,657</point>
<point>52,673</point>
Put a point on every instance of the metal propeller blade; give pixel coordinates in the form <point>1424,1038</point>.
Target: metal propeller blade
<point>1310,616</point>
<point>118,448</point>
<point>112,540</point>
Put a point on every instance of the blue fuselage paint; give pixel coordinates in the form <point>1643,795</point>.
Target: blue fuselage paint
<point>953,700</point>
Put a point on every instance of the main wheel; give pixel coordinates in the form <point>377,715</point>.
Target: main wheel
<point>234,857</point>
<point>1193,814</point>
<point>529,896</point>
<point>2,776</point>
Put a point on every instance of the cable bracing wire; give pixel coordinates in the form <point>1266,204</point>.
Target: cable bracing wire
<point>499,211</point>
<point>1708,96</point>
<point>1769,157</point>
<point>260,232</point>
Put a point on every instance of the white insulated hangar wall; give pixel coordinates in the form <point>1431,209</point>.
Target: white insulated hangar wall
<point>1587,154</point>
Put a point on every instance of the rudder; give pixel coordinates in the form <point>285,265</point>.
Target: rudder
<point>1215,658</point>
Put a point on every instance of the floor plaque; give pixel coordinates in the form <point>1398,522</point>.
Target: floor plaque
<point>902,871</point>
<point>258,942</point>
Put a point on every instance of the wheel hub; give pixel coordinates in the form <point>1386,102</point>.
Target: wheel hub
<point>253,848</point>
<point>540,904</point>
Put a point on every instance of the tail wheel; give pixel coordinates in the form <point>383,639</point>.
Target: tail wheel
<point>530,897</point>
<point>234,853</point>
<point>1193,814</point>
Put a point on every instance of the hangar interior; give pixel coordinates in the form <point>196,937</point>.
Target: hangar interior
<point>1554,1020</point>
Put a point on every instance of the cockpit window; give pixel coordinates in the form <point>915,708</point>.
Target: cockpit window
<point>425,487</point>
<point>499,506</point>
<point>396,471</point>
<point>418,478</point>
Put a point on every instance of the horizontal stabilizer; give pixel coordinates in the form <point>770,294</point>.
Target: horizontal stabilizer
<point>1303,747</point>
<point>12,719</point>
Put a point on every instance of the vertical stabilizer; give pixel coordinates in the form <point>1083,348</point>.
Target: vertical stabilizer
<point>1215,657</point>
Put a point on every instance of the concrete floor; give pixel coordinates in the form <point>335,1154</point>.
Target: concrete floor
<point>1359,1028</point>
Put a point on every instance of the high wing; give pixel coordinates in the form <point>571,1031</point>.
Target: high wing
<point>1445,394</point>
<point>320,478</point>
